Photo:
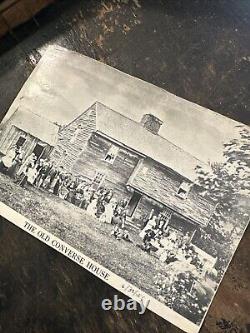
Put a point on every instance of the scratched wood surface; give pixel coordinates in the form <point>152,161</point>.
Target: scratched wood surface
<point>15,12</point>
<point>199,50</point>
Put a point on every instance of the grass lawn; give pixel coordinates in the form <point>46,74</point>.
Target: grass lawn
<point>85,233</point>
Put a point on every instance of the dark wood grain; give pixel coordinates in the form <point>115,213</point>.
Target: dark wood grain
<point>15,12</point>
<point>199,50</point>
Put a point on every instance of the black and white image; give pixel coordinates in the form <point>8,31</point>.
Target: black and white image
<point>150,186</point>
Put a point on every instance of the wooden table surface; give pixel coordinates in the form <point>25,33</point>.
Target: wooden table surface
<point>199,50</point>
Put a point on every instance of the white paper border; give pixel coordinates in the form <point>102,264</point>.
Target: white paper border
<point>114,280</point>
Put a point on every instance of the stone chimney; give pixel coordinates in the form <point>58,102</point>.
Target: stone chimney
<point>151,123</point>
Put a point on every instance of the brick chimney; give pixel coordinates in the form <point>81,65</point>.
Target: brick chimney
<point>151,123</point>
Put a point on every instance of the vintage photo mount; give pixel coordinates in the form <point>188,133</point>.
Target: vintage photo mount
<point>126,191</point>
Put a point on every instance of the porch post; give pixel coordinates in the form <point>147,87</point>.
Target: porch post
<point>192,236</point>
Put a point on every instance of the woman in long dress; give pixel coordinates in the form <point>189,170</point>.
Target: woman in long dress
<point>79,194</point>
<point>63,188</point>
<point>29,160</point>
<point>8,160</point>
<point>16,163</point>
<point>31,174</point>
<point>91,209</point>
<point>28,174</point>
<point>150,225</point>
<point>107,216</point>
<point>119,219</point>
<point>72,190</point>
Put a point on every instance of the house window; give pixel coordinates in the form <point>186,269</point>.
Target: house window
<point>183,190</point>
<point>20,141</point>
<point>98,179</point>
<point>111,154</point>
<point>166,215</point>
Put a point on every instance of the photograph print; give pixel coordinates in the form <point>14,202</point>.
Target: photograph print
<point>153,188</point>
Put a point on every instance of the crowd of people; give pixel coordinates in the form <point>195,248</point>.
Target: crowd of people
<point>99,202</point>
<point>42,173</point>
<point>166,243</point>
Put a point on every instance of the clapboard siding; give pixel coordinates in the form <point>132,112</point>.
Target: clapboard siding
<point>144,207</point>
<point>91,160</point>
<point>81,149</point>
<point>162,184</point>
<point>6,138</point>
<point>10,136</point>
<point>73,139</point>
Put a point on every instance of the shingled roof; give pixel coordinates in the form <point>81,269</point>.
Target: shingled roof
<point>134,136</point>
<point>35,125</point>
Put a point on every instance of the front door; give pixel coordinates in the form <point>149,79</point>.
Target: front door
<point>133,202</point>
<point>38,150</point>
<point>20,142</point>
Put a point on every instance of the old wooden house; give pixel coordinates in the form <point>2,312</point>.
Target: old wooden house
<point>31,131</point>
<point>137,163</point>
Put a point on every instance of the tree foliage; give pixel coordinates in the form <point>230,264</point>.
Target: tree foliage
<point>227,184</point>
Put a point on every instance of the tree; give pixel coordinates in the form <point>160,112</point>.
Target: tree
<point>227,184</point>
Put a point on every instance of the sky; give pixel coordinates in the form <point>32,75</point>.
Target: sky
<point>64,84</point>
